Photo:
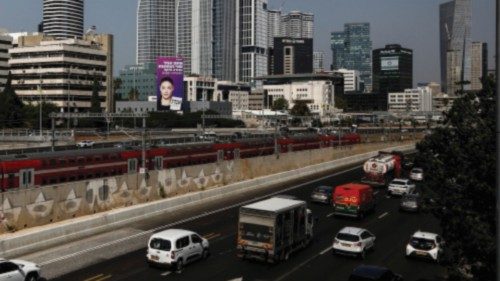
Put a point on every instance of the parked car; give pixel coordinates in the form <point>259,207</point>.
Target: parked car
<point>322,194</point>
<point>373,273</point>
<point>18,270</point>
<point>353,200</point>
<point>399,186</point>
<point>417,174</point>
<point>425,245</point>
<point>353,241</point>
<point>410,202</point>
<point>176,248</point>
<point>85,143</point>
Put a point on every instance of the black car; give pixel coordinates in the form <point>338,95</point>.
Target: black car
<point>410,203</point>
<point>373,273</point>
<point>322,194</point>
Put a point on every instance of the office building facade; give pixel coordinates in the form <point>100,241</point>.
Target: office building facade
<point>292,55</point>
<point>224,40</point>
<point>5,45</point>
<point>392,69</point>
<point>297,24</point>
<point>274,26</point>
<point>455,44</point>
<point>63,19</point>
<point>351,79</point>
<point>61,72</point>
<point>252,41</point>
<point>410,100</point>
<point>352,49</point>
<point>479,64</point>
<point>141,77</point>
<point>318,61</point>
<point>155,30</point>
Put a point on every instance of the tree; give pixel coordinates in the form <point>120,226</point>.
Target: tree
<point>133,94</point>
<point>31,114</point>
<point>280,104</point>
<point>11,107</point>
<point>460,161</point>
<point>300,108</point>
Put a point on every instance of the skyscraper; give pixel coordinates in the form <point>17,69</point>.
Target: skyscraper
<point>352,50</point>
<point>392,69</point>
<point>155,29</point>
<point>224,34</point>
<point>479,64</point>
<point>318,61</point>
<point>297,25</point>
<point>252,40</point>
<point>273,26</point>
<point>455,43</point>
<point>63,18</point>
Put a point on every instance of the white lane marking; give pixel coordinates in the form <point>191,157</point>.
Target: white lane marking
<point>166,273</point>
<point>376,192</point>
<point>325,250</point>
<point>383,215</point>
<point>148,232</point>
<point>330,214</point>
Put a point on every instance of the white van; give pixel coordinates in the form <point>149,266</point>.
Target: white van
<point>176,247</point>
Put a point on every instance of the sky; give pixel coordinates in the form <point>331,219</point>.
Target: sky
<point>412,23</point>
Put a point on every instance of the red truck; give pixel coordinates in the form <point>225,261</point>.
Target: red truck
<point>353,200</point>
<point>384,167</point>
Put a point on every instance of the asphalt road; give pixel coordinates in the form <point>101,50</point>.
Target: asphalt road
<point>316,262</point>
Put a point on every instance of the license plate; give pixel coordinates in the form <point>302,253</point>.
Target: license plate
<point>345,245</point>
<point>421,253</point>
<point>155,258</point>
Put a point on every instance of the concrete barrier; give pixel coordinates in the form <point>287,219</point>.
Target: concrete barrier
<point>42,237</point>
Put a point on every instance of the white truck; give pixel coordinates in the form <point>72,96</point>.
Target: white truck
<point>272,229</point>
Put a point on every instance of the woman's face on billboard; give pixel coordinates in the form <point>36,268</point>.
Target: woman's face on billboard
<point>166,90</point>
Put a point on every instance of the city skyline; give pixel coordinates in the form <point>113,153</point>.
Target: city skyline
<point>328,17</point>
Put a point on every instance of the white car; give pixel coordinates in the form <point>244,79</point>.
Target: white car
<point>18,270</point>
<point>353,241</point>
<point>425,245</point>
<point>85,143</point>
<point>175,248</point>
<point>417,174</point>
<point>400,186</point>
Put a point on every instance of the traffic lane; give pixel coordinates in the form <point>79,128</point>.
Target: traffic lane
<point>207,224</point>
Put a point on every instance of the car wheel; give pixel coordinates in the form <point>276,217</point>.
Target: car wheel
<point>32,277</point>
<point>179,266</point>
<point>205,254</point>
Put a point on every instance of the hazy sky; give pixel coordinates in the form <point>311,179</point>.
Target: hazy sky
<point>412,23</point>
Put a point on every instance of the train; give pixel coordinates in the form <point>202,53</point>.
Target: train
<point>52,168</point>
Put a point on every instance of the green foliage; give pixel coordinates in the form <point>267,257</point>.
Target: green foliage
<point>340,102</point>
<point>133,94</point>
<point>460,160</point>
<point>11,107</point>
<point>280,104</point>
<point>31,114</point>
<point>300,108</point>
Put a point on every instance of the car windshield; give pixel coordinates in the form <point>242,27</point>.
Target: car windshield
<point>417,170</point>
<point>400,182</point>
<point>347,237</point>
<point>160,244</point>
<point>422,243</point>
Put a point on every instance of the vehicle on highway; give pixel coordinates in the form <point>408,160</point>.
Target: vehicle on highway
<point>286,196</point>
<point>384,167</point>
<point>85,143</point>
<point>271,230</point>
<point>425,245</point>
<point>417,174</point>
<point>208,136</point>
<point>176,248</point>
<point>322,194</point>
<point>373,273</point>
<point>400,186</point>
<point>353,200</point>
<point>410,202</point>
<point>18,270</point>
<point>353,241</point>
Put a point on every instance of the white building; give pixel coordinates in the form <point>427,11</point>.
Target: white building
<point>252,39</point>
<point>411,100</point>
<point>5,45</point>
<point>297,25</point>
<point>63,19</point>
<point>235,93</point>
<point>352,82</point>
<point>317,90</point>
<point>61,72</point>
<point>273,26</point>
<point>199,88</point>
<point>318,61</point>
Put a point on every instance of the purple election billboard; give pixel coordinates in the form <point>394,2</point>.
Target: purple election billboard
<point>169,83</point>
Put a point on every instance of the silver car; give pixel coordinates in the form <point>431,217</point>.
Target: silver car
<point>417,174</point>
<point>19,270</point>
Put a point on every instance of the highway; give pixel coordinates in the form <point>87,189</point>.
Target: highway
<point>316,262</point>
